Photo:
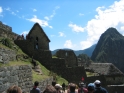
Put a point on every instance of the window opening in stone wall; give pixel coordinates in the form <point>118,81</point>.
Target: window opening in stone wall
<point>113,78</point>
<point>66,54</point>
<point>36,38</point>
<point>36,46</point>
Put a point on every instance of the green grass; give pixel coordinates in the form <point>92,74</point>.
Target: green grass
<point>21,61</point>
<point>89,74</point>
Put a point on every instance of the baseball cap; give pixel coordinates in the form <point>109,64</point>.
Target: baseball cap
<point>97,82</point>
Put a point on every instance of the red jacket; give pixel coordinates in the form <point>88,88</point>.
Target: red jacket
<point>84,90</point>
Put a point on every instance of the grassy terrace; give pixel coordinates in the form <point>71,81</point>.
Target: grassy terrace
<point>22,61</point>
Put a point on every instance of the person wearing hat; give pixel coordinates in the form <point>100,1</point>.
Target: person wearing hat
<point>58,88</point>
<point>91,88</point>
<point>99,88</point>
<point>82,88</point>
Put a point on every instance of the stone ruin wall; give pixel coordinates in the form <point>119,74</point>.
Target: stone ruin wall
<point>69,56</point>
<point>15,75</point>
<point>57,65</point>
<point>6,31</point>
<point>20,76</point>
<point>7,55</point>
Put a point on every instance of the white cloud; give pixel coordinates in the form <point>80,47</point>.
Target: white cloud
<point>13,13</point>
<point>68,44</point>
<point>50,27</point>
<point>1,10</point>
<point>24,33</point>
<point>34,10</point>
<point>17,11</point>
<point>8,9</point>
<point>80,14</point>
<point>106,17</point>
<point>76,28</point>
<point>53,14</point>
<point>41,22</point>
<point>61,34</point>
<point>47,18</point>
<point>122,28</point>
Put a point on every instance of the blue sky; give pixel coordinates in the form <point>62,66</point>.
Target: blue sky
<point>74,24</point>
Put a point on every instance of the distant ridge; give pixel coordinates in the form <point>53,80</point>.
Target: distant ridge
<point>87,51</point>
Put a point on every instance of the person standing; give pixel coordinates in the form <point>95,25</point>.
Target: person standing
<point>91,88</point>
<point>99,88</point>
<point>63,87</point>
<point>82,88</point>
<point>35,89</point>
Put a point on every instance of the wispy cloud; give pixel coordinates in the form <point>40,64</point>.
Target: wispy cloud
<point>34,10</point>
<point>8,9</point>
<point>52,35</point>
<point>80,14</point>
<point>1,10</point>
<point>106,17</point>
<point>25,33</point>
<point>41,22</point>
<point>68,44</point>
<point>52,15</point>
<point>61,34</point>
<point>13,13</point>
<point>76,28</point>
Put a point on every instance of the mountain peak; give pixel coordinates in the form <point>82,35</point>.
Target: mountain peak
<point>112,33</point>
<point>109,48</point>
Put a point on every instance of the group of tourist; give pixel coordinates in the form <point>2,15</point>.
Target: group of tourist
<point>57,88</point>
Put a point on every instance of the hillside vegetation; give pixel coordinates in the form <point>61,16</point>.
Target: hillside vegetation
<point>8,44</point>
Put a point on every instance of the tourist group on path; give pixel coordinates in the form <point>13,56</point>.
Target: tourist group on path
<point>57,88</point>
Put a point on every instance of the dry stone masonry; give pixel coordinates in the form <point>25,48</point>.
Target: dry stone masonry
<point>16,75</point>
<point>7,55</point>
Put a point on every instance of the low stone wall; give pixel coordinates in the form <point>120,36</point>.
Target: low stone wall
<point>20,76</point>
<point>7,55</point>
<point>115,89</point>
<point>44,83</point>
<point>16,75</point>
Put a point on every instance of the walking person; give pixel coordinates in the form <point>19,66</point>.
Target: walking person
<point>99,88</point>
<point>63,87</point>
<point>35,88</point>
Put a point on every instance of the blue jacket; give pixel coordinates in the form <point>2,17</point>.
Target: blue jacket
<point>100,90</point>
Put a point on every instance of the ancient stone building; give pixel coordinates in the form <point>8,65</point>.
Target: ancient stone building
<point>38,36</point>
<point>69,56</point>
<point>110,74</point>
<point>6,31</point>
